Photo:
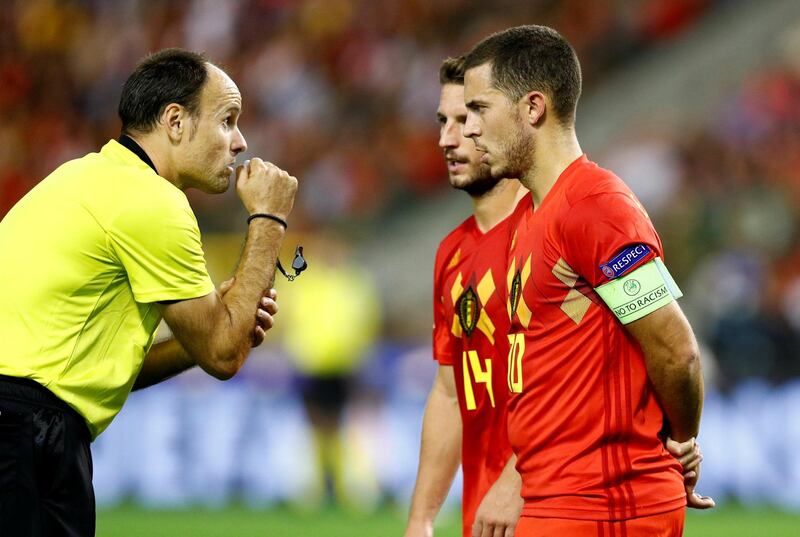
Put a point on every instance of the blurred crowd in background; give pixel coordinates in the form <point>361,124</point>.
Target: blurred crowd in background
<point>342,93</point>
<point>725,197</point>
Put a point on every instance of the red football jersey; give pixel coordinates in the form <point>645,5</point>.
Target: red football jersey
<point>583,418</point>
<point>470,333</point>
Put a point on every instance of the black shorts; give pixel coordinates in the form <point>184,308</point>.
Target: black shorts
<point>45,464</point>
<point>327,393</point>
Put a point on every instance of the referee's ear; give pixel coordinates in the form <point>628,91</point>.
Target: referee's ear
<point>175,121</point>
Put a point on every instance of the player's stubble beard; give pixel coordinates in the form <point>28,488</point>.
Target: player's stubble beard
<point>482,182</point>
<point>518,151</point>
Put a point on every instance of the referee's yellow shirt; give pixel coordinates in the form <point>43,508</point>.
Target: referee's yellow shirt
<point>83,258</point>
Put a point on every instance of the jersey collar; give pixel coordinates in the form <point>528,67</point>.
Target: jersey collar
<point>130,144</point>
<point>564,178</point>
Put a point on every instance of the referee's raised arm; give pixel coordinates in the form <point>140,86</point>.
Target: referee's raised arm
<point>216,330</point>
<point>194,145</point>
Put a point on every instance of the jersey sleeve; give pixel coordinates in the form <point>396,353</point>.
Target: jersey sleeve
<point>444,341</point>
<point>607,235</point>
<point>159,247</point>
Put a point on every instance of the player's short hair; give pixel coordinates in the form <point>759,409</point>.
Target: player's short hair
<point>452,71</point>
<point>532,58</point>
<point>168,76</point>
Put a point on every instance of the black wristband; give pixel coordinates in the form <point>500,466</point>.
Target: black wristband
<point>281,221</point>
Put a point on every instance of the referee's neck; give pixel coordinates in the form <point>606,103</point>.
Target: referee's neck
<point>153,147</point>
<point>131,144</point>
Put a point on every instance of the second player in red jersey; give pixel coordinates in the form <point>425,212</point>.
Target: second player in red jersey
<point>465,418</point>
<point>470,334</point>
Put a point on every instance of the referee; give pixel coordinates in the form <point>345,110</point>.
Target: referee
<point>96,255</point>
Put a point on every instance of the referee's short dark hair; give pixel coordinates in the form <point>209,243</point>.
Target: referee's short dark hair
<point>171,75</point>
<point>452,71</point>
<point>532,58</point>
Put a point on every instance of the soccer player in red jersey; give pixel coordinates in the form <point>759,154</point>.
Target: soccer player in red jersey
<point>465,417</point>
<point>602,362</point>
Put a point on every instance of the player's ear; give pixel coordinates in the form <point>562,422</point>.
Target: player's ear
<point>533,106</point>
<point>174,119</point>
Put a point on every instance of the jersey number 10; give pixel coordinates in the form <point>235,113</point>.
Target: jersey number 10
<point>515,353</point>
<point>471,362</point>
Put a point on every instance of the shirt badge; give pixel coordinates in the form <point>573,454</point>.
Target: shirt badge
<point>516,292</point>
<point>624,261</point>
<point>468,311</point>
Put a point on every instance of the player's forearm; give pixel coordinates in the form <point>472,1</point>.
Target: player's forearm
<point>507,488</point>
<point>163,361</point>
<point>673,367</point>
<point>254,275</point>
<point>678,382</point>
<point>509,475</point>
<point>440,455</point>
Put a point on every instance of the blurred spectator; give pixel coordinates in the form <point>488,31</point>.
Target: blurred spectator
<point>330,320</point>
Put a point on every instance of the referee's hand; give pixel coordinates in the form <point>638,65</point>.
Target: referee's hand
<point>267,308</point>
<point>265,188</point>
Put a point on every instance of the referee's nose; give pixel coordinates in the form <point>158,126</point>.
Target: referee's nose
<point>238,144</point>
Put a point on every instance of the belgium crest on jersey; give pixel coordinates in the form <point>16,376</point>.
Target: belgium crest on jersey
<point>468,311</point>
<point>515,292</point>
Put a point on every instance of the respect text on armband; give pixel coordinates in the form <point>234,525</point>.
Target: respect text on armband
<point>624,261</point>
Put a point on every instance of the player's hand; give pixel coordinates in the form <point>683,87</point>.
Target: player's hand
<point>693,499</point>
<point>688,453</point>
<point>267,308</point>
<point>690,456</point>
<point>499,511</point>
<point>265,188</point>
<point>419,528</point>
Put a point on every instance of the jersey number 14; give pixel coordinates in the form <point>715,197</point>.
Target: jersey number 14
<point>471,362</point>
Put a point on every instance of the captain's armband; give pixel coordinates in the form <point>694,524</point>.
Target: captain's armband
<point>640,292</point>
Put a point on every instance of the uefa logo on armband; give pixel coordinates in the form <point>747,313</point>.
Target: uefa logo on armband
<point>608,271</point>
<point>631,287</point>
